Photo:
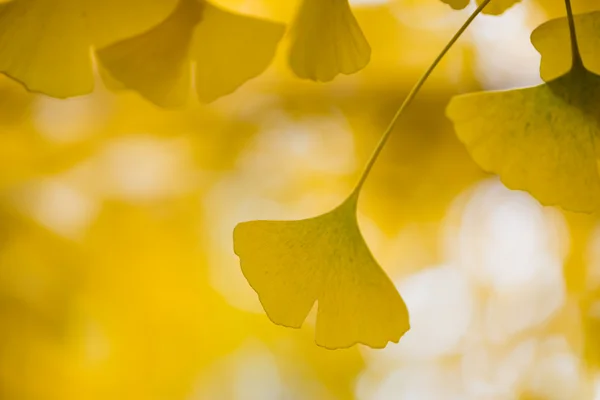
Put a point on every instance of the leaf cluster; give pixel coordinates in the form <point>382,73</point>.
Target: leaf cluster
<point>541,139</point>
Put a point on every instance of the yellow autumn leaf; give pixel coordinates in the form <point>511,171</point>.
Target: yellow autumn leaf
<point>292,264</point>
<point>327,41</point>
<point>496,7</point>
<point>225,50</point>
<point>457,4</point>
<point>541,139</point>
<point>551,40</point>
<point>45,45</point>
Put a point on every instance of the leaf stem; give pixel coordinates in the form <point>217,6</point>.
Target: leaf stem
<point>576,55</point>
<point>413,93</point>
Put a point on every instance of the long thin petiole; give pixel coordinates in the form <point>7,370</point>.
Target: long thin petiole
<point>576,55</point>
<point>414,91</point>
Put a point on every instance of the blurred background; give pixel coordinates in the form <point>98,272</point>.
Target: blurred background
<point>117,273</point>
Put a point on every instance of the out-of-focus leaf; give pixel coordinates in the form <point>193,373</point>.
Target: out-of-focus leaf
<point>227,49</point>
<point>327,41</point>
<point>46,45</point>
<point>496,7</point>
<point>553,42</point>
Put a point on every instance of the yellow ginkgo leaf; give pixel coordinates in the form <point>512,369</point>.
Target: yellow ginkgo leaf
<point>552,40</point>
<point>541,139</point>
<point>292,264</point>
<point>496,7</point>
<point>46,45</point>
<point>226,49</point>
<point>327,41</point>
<point>457,4</point>
<point>229,49</point>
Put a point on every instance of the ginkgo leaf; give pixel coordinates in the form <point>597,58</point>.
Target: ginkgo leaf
<point>292,264</point>
<point>156,63</point>
<point>496,7</point>
<point>552,41</point>
<point>46,45</point>
<point>457,4</point>
<point>327,41</point>
<point>541,139</point>
<point>227,50</point>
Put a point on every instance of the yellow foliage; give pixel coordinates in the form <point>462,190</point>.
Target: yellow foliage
<point>46,45</point>
<point>327,41</point>
<point>292,264</point>
<point>541,139</point>
<point>118,269</point>
<point>224,48</point>
<point>496,7</point>
<point>552,40</point>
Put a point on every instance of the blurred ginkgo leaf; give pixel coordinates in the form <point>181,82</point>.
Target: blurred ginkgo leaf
<point>551,39</point>
<point>457,4</point>
<point>540,139</point>
<point>496,7</point>
<point>46,45</point>
<point>327,41</point>
<point>226,50</point>
<point>292,264</point>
